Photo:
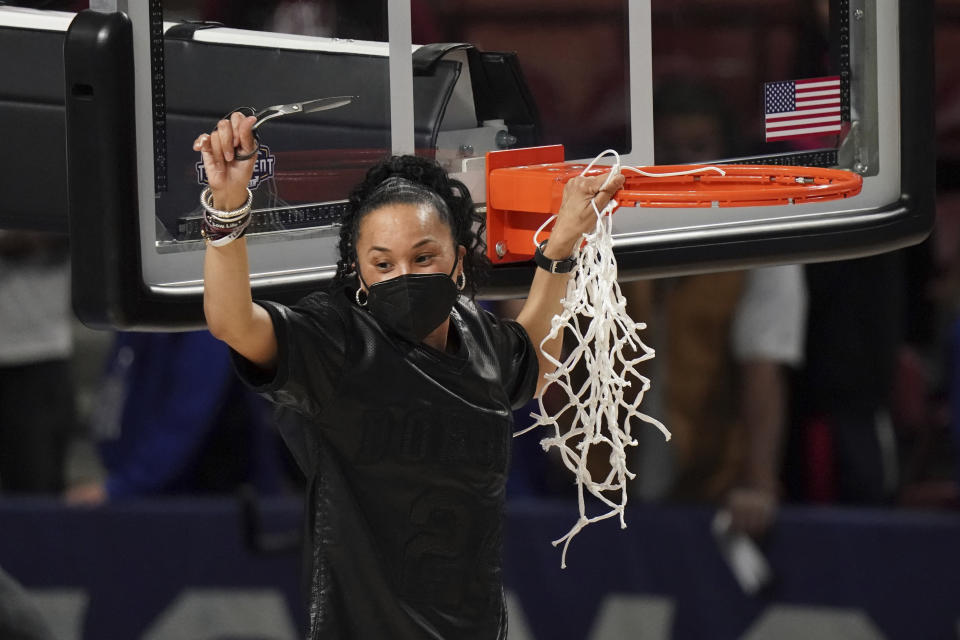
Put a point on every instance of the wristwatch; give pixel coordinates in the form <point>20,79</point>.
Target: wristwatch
<point>553,266</point>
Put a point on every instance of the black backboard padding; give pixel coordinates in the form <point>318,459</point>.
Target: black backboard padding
<point>33,167</point>
<point>31,65</point>
<point>33,172</point>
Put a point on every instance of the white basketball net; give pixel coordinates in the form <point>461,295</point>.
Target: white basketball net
<point>610,350</point>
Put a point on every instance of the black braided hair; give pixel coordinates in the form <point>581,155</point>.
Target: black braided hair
<point>466,225</point>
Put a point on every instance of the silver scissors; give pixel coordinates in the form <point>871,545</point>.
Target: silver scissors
<point>269,113</point>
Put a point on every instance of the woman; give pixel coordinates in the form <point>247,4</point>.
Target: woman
<point>406,388</point>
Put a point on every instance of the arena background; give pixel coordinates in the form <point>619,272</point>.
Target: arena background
<point>201,567</point>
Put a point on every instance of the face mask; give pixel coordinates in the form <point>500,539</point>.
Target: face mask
<point>414,304</point>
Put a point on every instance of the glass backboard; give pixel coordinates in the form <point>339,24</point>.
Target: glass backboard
<point>833,83</point>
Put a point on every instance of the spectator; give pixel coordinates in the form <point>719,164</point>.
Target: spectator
<point>731,339</point>
<point>36,390</point>
<point>767,340</point>
<point>728,340</point>
<point>174,418</point>
<point>845,449</point>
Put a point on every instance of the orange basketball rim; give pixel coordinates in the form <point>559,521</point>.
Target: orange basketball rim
<point>525,187</point>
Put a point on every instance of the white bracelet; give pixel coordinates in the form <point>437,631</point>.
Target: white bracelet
<point>206,200</point>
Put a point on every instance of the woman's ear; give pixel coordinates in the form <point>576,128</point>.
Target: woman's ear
<point>356,270</point>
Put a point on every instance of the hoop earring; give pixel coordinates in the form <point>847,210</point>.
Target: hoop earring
<point>461,281</point>
<point>357,297</point>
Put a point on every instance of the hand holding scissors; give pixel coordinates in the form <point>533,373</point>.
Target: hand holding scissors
<point>236,138</point>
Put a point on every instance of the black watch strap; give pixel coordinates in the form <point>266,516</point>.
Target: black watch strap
<point>553,266</point>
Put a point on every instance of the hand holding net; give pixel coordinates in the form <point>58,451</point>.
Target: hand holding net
<point>605,407</point>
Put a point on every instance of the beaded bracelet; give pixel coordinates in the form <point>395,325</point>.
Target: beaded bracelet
<point>206,200</point>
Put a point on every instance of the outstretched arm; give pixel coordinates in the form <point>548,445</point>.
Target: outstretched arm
<point>227,302</point>
<point>753,504</point>
<point>575,218</point>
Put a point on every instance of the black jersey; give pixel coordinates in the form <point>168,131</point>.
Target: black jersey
<point>407,450</point>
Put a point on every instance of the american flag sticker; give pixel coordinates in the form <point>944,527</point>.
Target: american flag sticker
<point>797,108</point>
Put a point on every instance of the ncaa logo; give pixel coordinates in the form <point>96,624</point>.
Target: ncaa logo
<point>262,170</point>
